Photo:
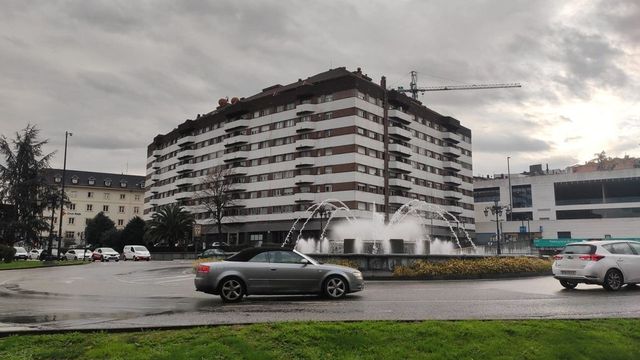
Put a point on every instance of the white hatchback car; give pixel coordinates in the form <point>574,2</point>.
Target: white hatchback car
<point>77,254</point>
<point>611,264</point>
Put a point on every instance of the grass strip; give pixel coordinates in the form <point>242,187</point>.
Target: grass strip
<point>526,339</point>
<point>15,265</point>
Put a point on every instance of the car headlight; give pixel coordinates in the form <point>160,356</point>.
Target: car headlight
<point>358,275</point>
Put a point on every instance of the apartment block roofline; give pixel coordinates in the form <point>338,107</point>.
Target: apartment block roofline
<point>326,82</point>
<point>99,179</point>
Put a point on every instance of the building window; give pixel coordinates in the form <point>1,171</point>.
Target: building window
<point>72,220</point>
<point>328,188</point>
<point>486,194</point>
<point>107,182</point>
<point>69,234</point>
<point>121,209</point>
<point>137,197</point>
<point>106,196</point>
<point>89,207</point>
<point>122,196</point>
<point>72,206</point>
<point>120,222</point>
<point>74,180</point>
<point>136,210</point>
<point>92,181</point>
<point>521,196</point>
<point>123,184</point>
<point>57,178</point>
<point>105,208</point>
<point>90,194</point>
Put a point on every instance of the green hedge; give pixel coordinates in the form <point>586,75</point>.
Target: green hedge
<point>7,253</point>
<point>474,267</point>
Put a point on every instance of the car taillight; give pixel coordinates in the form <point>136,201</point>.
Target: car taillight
<point>591,257</point>
<point>203,268</point>
<point>557,257</point>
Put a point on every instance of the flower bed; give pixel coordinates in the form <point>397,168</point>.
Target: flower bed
<point>473,267</point>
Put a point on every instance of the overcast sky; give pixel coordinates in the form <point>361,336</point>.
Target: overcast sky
<point>117,73</point>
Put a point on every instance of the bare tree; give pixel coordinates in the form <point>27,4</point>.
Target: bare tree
<point>216,194</point>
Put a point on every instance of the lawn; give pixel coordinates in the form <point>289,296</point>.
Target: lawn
<point>527,339</point>
<point>21,264</point>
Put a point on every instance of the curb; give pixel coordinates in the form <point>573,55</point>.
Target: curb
<point>464,277</point>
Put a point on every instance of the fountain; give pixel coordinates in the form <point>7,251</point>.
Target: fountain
<point>405,233</point>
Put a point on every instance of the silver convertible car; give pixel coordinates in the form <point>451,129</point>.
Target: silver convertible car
<point>270,271</point>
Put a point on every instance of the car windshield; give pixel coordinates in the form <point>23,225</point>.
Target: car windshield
<point>578,249</point>
<point>140,248</point>
<point>108,250</point>
<point>20,249</point>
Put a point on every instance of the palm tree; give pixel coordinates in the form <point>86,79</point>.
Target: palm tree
<point>171,225</point>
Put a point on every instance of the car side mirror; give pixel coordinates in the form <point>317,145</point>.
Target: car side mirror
<point>304,262</point>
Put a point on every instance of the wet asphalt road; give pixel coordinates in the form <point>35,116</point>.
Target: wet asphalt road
<point>152,294</point>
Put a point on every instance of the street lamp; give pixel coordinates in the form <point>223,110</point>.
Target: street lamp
<point>509,217</point>
<point>64,170</point>
<point>322,211</point>
<point>497,210</point>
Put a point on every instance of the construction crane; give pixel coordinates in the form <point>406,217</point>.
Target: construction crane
<point>414,89</point>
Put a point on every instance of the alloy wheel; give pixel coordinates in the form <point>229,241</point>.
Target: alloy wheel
<point>613,280</point>
<point>231,290</point>
<point>336,288</point>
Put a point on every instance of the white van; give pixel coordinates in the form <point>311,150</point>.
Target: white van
<point>135,253</point>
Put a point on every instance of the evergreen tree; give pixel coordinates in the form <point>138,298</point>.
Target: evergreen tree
<point>133,233</point>
<point>23,189</point>
<point>171,226</point>
<point>96,227</point>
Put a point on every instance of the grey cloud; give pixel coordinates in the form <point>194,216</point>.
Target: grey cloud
<point>509,143</point>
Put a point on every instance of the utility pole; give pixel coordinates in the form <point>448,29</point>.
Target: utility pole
<point>64,170</point>
<point>509,216</point>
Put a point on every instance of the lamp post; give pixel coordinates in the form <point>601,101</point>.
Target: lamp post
<point>322,212</point>
<point>510,192</point>
<point>496,210</point>
<point>64,170</point>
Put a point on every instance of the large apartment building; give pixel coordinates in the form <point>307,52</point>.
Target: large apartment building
<point>119,197</point>
<point>335,135</point>
<point>566,204</point>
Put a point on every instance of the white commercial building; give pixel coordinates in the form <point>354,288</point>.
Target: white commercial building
<point>566,205</point>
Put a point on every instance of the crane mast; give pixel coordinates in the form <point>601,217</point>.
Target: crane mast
<point>414,89</point>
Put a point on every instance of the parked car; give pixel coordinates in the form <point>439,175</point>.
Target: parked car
<point>34,254</point>
<point>21,253</point>
<point>77,254</point>
<point>211,253</point>
<point>269,271</point>
<point>135,253</point>
<point>105,254</point>
<point>44,254</point>
<point>609,263</point>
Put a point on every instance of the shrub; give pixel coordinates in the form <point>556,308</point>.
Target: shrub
<point>474,267</point>
<point>343,262</point>
<point>7,253</point>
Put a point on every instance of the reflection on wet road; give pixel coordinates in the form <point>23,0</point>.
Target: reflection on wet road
<point>152,294</point>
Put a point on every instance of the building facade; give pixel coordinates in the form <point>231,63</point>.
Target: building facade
<point>119,197</point>
<point>336,135</point>
<point>562,205</point>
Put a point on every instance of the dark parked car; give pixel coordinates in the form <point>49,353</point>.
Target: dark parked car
<point>211,253</point>
<point>269,271</point>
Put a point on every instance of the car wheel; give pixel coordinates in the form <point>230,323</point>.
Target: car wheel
<point>568,284</point>
<point>135,258</point>
<point>75,258</point>
<point>231,289</point>
<point>613,280</point>
<point>335,287</point>
<point>124,258</point>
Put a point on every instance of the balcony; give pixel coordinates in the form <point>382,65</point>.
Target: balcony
<point>305,179</point>
<point>237,125</point>
<point>305,144</point>
<point>155,177</point>
<point>156,153</point>
<point>399,132</point>
<point>238,187</point>
<point>305,161</point>
<point>400,183</point>
<point>187,181</point>
<point>451,165</point>
<point>305,197</point>
<point>236,140</point>
<point>183,168</point>
<point>303,109</point>
<point>453,137</point>
<point>237,171</point>
<point>236,156</point>
<point>185,154</point>
<point>185,195</point>
<point>454,209</point>
<point>305,126</point>
<point>451,151</point>
<point>401,166</point>
<point>186,140</point>
<point>454,195</point>
<point>400,149</point>
<point>452,180</point>
<point>156,165</point>
<point>398,199</point>
<point>400,116</point>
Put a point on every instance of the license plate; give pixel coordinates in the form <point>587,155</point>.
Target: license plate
<point>567,272</point>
